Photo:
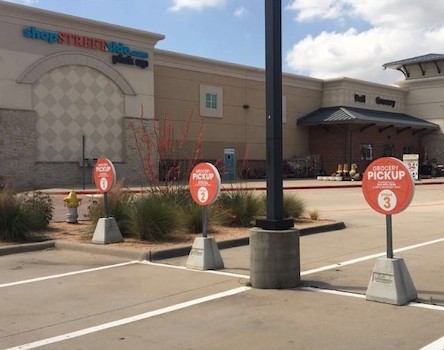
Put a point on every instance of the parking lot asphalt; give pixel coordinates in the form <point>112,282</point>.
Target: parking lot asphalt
<point>59,298</point>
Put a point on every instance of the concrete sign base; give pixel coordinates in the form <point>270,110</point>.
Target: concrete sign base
<point>107,231</point>
<point>204,255</point>
<point>274,258</point>
<point>391,282</point>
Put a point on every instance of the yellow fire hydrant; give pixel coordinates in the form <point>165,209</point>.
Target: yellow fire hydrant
<point>72,202</point>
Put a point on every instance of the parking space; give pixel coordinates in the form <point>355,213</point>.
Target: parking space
<point>63,299</point>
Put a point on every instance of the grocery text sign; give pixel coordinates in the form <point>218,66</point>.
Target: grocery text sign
<point>388,186</point>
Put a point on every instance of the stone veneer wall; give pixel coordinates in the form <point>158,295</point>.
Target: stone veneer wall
<point>140,151</point>
<point>18,153</point>
<point>17,147</point>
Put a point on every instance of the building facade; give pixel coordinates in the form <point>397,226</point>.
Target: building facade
<point>73,90</point>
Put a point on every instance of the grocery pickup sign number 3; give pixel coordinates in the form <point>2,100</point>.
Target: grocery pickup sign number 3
<point>388,186</point>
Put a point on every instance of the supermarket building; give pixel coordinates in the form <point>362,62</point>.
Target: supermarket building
<point>73,89</point>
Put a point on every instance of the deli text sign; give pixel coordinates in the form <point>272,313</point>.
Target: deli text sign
<point>388,186</point>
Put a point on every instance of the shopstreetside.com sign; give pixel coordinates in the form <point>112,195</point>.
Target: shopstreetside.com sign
<point>121,52</point>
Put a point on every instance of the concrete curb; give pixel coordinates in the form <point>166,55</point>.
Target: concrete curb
<point>323,228</point>
<point>26,247</point>
<point>150,255</point>
<point>104,249</point>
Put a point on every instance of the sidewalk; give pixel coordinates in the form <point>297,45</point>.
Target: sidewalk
<point>259,185</point>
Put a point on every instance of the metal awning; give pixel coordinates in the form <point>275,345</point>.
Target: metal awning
<point>364,117</point>
<point>404,65</point>
<point>431,57</point>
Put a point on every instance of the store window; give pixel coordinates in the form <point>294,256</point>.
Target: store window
<point>366,151</point>
<point>211,101</point>
<point>388,150</point>
<point>407,150</point>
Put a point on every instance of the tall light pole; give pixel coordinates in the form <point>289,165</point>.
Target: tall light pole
<point>273,119</point>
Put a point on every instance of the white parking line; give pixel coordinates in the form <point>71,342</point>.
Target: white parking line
<point>369,257</point>
<point>127,320</point>
<point>67,274</point>
<point>362,296</point>
<point>436,345</point>
<point>215,272</point>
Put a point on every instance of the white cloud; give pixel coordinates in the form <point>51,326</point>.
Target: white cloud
<point>309,9</point>
<point>240,11</point>
<point>195,4</point>
<point>399,29</point>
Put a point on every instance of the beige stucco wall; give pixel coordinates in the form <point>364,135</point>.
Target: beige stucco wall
<point>426,99</point>
<point>341,92</point>
<point>177,81</point>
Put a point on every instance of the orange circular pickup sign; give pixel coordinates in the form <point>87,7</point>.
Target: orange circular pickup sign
<point>104,175</point>
<point>388,186</point>
<point>204,183</point>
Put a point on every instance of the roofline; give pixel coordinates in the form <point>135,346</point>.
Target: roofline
<point>32,14</point>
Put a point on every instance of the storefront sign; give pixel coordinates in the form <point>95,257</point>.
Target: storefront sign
<point>381,101</point>
<point>360,98</point>
<point>130,61</point>
<point>122,53</point>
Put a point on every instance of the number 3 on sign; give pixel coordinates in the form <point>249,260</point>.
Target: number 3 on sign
<point>202,194</point>
<point>387,200</point>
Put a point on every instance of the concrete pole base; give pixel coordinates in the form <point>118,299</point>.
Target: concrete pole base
<point>204,255</point>
<point>107,231</point>
<point>274,259</point>
<point>391,282</point>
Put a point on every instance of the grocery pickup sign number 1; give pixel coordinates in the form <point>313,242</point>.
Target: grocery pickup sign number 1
<point>104,175</point>
<point>388,186</point>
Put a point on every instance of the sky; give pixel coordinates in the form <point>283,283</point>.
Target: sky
<point>324,39</point>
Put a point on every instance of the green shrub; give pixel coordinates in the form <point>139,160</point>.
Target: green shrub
<point>37,208</point>
<point>292,206</point>
<point>152,217</point>
<point>188,213</point>
<point>240,207</point>
<point>176,195</point>
<point>119,207</point>
<point>191,218</point>
<point>13,224</point>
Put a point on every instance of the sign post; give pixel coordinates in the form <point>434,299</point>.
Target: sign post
<point>388,188</point>
<point>204,186</point>
<point>107,230</point>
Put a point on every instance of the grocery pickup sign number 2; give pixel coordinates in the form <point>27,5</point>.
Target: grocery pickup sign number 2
<point>204,183</point>
<point>388,186</point>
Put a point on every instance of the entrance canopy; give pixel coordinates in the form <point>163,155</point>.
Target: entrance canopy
<point>365,117</point>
